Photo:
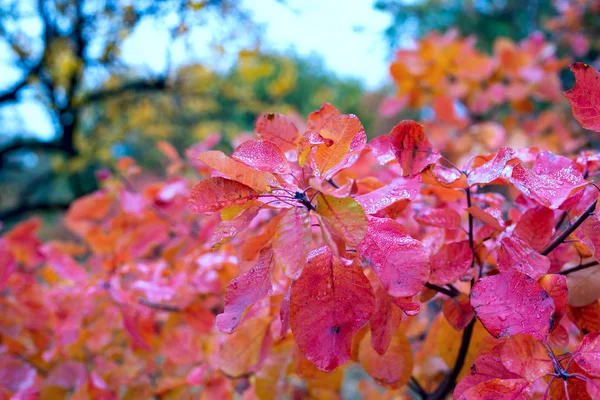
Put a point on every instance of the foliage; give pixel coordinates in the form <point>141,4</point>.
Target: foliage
<point>337,252</point>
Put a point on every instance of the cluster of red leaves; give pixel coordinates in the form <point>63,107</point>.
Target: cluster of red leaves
<point>478,101</point>
<point>351,240</point>
<point>337,251</point>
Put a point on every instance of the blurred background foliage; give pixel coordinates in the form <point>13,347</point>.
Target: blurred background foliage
<point>69,57</point>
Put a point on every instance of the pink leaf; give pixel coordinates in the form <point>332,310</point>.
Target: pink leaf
<point>329,303</point>
<point>439,217</point>
<point>584,97</point>
<point>536,227</point>
<point>399,189</point>
<point>400,262</point>
<point>451,262</point>
<point>411,147</point>
<point>516,255</point>
<point>492,169</point>
<point>8,264</point>
<point>510,303</point>
<point>292,241</point>
<point>587,355</point>
<point>278,129</point>
<point>214,194</point>
<point>385,320</point>
<point>245,290</point>
<point>262,155</point>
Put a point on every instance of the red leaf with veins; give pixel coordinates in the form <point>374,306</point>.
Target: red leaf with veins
<point>492,169</point>
<point>411,147</point>
<point>439,217</point>
<point>262,155</point>
<point>329,303</point>
<point>245,290</point>
<point>451,262</point>
<point>498,389</point>
<point>516,255</point>
<point>214,194</point>
<point>345,216</point>
<point>385,320</point>
<point>510,303</point>
<point>536,227</point>
<point>317,119</point>
<point>292,241</point>
<point>398,189</point>
<point>401,262</point>
<point>347,138</point>
<point>584,97</point>
<point>237,171</point>
<point>526,357</point>
<point>278,129</point>
<point>551,181</point>
<point>231,227</point>
<point>587,355</point>
<point>458,311</point>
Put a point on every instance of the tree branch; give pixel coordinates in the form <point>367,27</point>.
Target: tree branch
<point>565,234</point>
<point>29,207</point>
<point>34,145</point>
<point>137,86</point>
<point>579,268</point>
<point>442,290</point>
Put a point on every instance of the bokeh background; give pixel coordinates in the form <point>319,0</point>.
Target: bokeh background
<point>84,83</point>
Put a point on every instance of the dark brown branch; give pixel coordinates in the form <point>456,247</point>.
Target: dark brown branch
<point>579,268</point>
<point>565,234</point>
<point>32,144</point>
<point>441,289</point>
<point>417,388</point>
<point>30,207</point>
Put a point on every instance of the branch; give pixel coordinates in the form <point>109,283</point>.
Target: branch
<point>159,306</point>
<point>137,86</point>
<point>25,208</point>
<point>561,238</point>
<point>34,145</point>
<point>442,289</point>
<point>579,268</point>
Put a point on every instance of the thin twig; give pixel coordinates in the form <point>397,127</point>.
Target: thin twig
<point>565,234</point>
<point>579,268</point>
<point>441,289</point>
<point>417,388</point>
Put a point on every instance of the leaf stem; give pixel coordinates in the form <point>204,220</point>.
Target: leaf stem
<point>570,229</point>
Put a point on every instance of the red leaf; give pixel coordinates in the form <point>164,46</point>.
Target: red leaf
<point>411,147</point>
<point>458,311</point>
<point>400,262</point>
<point>214,194</point>
<point>510,303</point>
<point>278,129</point>
<point>591,232</point>
<point>237,171</point>
<point>439,217</point>
<point>587,355</point>
<point>551,181</point>
<point>8,264</point>
<point>345,216</point>
<point>451,262</point>
<point>262,155</point>
<point>231,227</point>
<point>536,227</point>
<point>499,389</point>
<point>526,357</point>
<point>398,189</point>
<point>245,290</point>
<point>385,320</point>
<point>292,241</point>
<point>391,369</point>
<point>516,255</point>
<point>556,286</point>
<point>492,169</point>
<point>329,303</point>
<point>584,97</point>
<point>317,119</point>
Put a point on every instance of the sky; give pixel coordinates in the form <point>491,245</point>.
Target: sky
<point>349,40</point>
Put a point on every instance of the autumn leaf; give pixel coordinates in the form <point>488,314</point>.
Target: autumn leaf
<point>584,286</point>
<point>391,369</point>
<point>329,303</point>
<point>451,262</point>
<point>536,227</point>
<point>214,194</point>
<point>411,147</point>
<point>292,242</point>
<point>345,216</point>
<point>346,137</point>
<point>439,217</point>
<point>262,155</point>
<point>516,255</point>
<point>8,264</point>
<point>237,171</point>
<point>385,320</point>
<point>243,350</point>
<point>584,97</point>
<point>400,262</point>
<point>398,189</point>
<point>492,169</point>
<point>458,311</point>
<point>526,357</point>
<point>245,290</point>
<point>510,303</point>
<point>279,129</point>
